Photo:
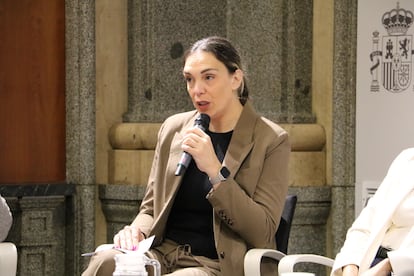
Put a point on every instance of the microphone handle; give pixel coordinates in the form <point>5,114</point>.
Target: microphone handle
<point>202,123</point>
<point>183,164</point>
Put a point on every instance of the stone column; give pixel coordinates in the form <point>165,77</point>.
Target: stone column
<point>80,122</point>
<point>274,38</point>
<point>343,163</point>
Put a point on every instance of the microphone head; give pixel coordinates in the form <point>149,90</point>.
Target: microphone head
<point>203,121</point>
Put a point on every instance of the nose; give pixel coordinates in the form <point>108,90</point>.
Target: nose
<point>198,88</point>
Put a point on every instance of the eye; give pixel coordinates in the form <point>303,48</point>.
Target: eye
<point>187,79</point>
<point>209,77</point>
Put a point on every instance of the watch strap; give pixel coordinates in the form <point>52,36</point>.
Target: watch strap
<point>221,176</point>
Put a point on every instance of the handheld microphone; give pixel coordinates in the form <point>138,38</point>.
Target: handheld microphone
<point>202,123</point>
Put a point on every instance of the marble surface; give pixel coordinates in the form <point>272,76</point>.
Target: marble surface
<point>14,190</point>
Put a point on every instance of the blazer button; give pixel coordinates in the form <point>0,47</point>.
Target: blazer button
<point>222,254</point>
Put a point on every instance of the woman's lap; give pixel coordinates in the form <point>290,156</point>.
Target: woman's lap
<point>174,260</point>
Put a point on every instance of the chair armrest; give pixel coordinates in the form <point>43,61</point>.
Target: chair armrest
<point>8,259</point>
<point>287,263</point>
<point>253,258</point>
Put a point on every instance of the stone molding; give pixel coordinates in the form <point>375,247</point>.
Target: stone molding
<point>133,145</point>
<point>130,136</point>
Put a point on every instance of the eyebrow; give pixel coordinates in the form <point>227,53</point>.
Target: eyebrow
<point>203,71</point>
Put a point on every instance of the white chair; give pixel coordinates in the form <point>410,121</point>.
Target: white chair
<point>287,263</point>
<point>8,259</point>
<point>401,261</point>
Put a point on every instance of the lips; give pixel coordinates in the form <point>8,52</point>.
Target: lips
<point>202,106</point>
<point>202,103</point>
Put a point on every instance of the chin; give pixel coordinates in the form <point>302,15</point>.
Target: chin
<point>203,108</point>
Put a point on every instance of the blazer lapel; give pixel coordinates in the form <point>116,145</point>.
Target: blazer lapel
<point>240,145</point>
<point>171,181</point>
<point>242,139</point>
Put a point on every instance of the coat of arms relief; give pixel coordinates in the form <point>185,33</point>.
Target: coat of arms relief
<point>391,55</point>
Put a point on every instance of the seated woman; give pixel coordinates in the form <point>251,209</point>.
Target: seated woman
<point>231,196</point>
<point>385,227</point>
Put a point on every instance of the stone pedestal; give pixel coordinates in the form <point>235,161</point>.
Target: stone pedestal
<point>42,227</point>
<point>308,234</point>
<point>120,204</point>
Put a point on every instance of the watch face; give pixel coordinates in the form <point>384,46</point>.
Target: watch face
<point>225,172</point>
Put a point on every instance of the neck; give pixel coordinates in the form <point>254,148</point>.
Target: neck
<point>228,121</point>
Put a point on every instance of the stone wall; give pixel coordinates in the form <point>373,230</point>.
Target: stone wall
<point>276,43</point>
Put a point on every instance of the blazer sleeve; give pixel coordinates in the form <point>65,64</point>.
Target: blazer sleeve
<point>145,218</point>
<point>402,259</point>
<point>251,203</point>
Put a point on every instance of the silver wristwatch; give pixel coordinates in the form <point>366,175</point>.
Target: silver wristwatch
<point>223,174</point>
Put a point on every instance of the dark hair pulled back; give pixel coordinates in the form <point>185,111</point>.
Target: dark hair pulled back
<point>224,51</point>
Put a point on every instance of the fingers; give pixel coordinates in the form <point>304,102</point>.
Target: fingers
<point>195,139</point>
<point>128,238</point>
<point>195,133</point>
<point>135,237</point>
<point>117,241</point>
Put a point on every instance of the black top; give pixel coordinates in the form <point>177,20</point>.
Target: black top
<point>191,218</point>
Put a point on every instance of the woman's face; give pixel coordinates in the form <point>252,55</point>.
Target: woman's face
<point>213,90</point>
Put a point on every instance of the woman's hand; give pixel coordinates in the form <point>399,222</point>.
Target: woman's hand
<point>128,238</point>
<point>198,144</point>
<point>383,268</point>
<point>350,270</point>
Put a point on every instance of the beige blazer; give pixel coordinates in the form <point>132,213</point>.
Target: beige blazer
<point>247,206</point>
<point>367,232</point>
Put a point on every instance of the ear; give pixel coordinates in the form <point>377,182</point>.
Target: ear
<point>237,79</point>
